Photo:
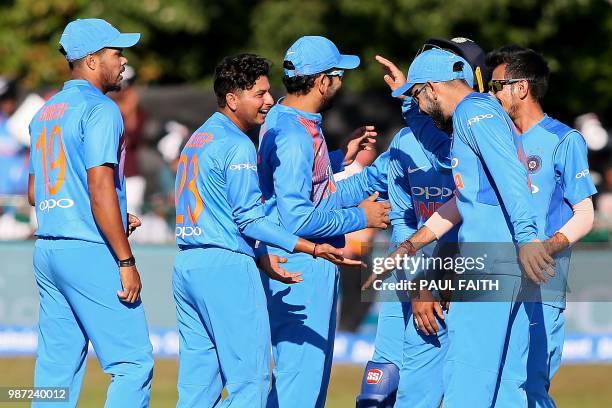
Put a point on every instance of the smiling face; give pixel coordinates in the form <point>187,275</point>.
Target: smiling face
<point>252,105</point>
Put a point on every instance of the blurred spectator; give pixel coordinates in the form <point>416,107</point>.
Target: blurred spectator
<point>14,164</point>
<point>352,308</point>
<point>149,178</point>
<point>603,200</point>
<point>13,154</point>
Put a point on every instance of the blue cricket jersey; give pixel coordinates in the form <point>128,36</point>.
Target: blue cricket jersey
<point>417,187</point>
<point>493,194</point>
<point>77,129</point>
<point>296,178</point>
<point>558,167</point>
<point>218,200</point>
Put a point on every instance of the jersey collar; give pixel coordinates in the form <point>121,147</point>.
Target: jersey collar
<point>73,83</point>
<point>315,117</point>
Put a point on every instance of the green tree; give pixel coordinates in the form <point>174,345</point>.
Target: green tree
<point>182,40</point>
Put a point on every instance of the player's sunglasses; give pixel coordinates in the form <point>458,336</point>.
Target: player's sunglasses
<point>335,72</point>
<point>496,85</point>
<point>415,95</point>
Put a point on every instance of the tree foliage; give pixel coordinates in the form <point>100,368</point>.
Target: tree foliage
<point>182,40</point>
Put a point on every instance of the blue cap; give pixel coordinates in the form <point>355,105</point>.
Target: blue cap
<point>436,65</point>
<point>311,55</point>
<point>83,37</point>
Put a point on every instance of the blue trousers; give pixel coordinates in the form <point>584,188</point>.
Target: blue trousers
<point>547,334</point>
<point>223,327</point>
<point>78,283</point>
<point>421,375</point>
<point>303,325</point>
<point>486,363</point>
<point>389,344</point>
<point>420,358</point>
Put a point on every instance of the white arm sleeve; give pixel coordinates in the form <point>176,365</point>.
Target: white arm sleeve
<point>581,222</point>
<point>444,219</point>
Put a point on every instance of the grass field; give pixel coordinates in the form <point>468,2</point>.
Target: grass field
<point>586,386</point>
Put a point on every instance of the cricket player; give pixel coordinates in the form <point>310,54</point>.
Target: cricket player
<point>85,270</point>
<point>494,202</point>
<point>221,306</point>
<point>420,180</point>
<point>561,188</point>
<point>300,194</point>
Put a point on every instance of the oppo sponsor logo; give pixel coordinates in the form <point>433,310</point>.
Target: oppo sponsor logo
<point>430,192</point>
<point>478,118</point>
<point>582,174</point>
<point>243,166</point>
<point>52,203</point>
<point>183,232</point>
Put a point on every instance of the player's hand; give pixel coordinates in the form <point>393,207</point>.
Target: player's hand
<point>425,308</point>
<point>130,281</point>
<point>335,255</point>
<point>537,263</point>
<point>394,77</point>
<point>377,213</point>
<point>133,223</point>
<point>270,264</point>
<point>362,138</point>
<point>403,250</point>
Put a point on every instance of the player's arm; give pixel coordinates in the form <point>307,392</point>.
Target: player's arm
<point>492,140</point>
<point>31,198</point>
<point>571,163</point>
<point>356,188</point>
<point>244,196</point>
<point>436,143</point>
<point>102,130</point>
<point>402,215</point>
<point>292,158</point>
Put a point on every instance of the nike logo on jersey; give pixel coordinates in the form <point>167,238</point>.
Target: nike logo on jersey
<point>534,189</point>
<point>410,171</point>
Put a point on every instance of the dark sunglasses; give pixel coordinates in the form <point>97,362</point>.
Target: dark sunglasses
<point>496,85</point>
<point>415,95</point>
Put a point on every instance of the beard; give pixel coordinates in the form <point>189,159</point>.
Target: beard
<point>440,121</point>
<point>111,83</point>
<point>328,101</point>
<point>513,111</point>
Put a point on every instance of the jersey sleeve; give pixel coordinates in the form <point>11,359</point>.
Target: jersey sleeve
<point>336,160</point>
<point>102,131</point>
<point>436,143</point>
<point>292,158</point>
<point>244,197</point>
<point>402,216</point>
<point>572,167</point>
<point>352,190</point>
<point>491,137</point>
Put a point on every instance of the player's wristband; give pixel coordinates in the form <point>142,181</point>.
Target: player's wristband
<point>314,251</point>
<point>124,263</point>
